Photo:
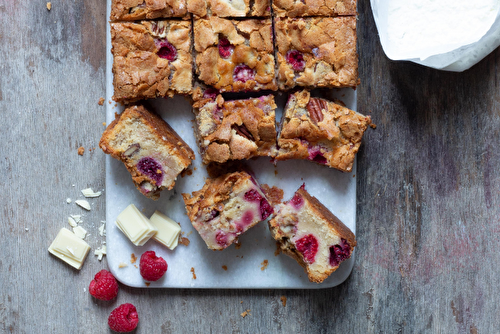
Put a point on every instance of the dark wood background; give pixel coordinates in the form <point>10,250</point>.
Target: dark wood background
<point>428,202</point>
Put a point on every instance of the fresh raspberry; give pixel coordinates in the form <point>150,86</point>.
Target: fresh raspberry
<point>225,47</point>
<point>297,201</point>
<point>104,286</point>
<point>152,168</point>
<point>152,267</point>
<point>123,319</point>
<point>339,253</point>
<point>308,246</point>
<point>296,59</point>
<point>265,209</point>
<point>252,196</point>
<point>166,50</point>
<point>243,73</point>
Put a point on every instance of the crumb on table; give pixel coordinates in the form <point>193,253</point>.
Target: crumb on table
<point>237,245</point>
<point>244,314</point>
<point>184,241</point>
<point>192,271</point>
<point>133,258</point>
<point>224,267</point>
<point>81,150</point>
<point>101,101</point>
<point>147,283</point>
<point>283,300</point>
<point>49,6</point>
<point>264,265</point>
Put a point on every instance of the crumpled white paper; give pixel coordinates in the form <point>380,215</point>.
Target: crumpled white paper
<point>458,55</point>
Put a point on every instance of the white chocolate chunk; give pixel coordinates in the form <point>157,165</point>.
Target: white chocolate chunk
<point>135,225</point>
<point>72,222</point>
<point>88,192</point>
<point>80,232</point>
<point>83,203</point>
<point>69,248</point>
<point>100,252</point>
<point>102,230</point>
<point>77,218</point>
<point>168,230</point>
<point>68,200</point>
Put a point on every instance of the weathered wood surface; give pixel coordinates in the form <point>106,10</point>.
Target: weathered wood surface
<point>428,200</point>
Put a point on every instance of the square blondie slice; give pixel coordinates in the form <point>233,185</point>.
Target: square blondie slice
<point>321,131</point>
<point>132,10</point>
<point>235,130</point>
<point>152,151</point>
<point>229,8</point>
<point>235,56</point>
<point>316,52</point>
<point>307,231</point>
<point>151,59</point>
<point>226,207</point>
<point>301,8</point>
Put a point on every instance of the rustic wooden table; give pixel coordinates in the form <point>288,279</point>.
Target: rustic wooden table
<point>428,201</point>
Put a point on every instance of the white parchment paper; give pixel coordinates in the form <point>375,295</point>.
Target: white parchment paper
<point>451,35</point>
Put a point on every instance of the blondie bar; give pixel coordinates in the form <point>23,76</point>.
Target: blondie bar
<point>321,131</point>
<point>151,59</point>
<point>229,8</point>
<point>316,52</point>
<point>235,56</point>
<point>309,233</point>
<point>152,151</point>
<point>300,8</point>
<point>132,10</point>
<point>226,207</point>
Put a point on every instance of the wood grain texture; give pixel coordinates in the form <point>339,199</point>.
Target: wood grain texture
<point>428,195</point>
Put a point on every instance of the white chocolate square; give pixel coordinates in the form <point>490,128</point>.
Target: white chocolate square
<point>135,225</point>
<point>168,230</point>
<point>69,248</point>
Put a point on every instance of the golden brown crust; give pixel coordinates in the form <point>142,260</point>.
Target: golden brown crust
<point>253,47</point>
<point>336,138</point>
<point>328,48</point>
<point>299,8</point>
<point>163,135</point>
<point>138,71</point>
<point>132,10</point>
<point>235,130</point>
<point>231,8</point>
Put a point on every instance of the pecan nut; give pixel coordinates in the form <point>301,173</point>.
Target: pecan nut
<point>243,131</point>
<point>315,107</point>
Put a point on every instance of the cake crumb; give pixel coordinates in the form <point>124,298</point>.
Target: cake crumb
<point>224,267</point>
<point>189,233</point>
<point>237,245</point>
<point>244,314</point>
<point>109,101</point>
<point>184,241</point>
<point>275,172</point>
<point>49,6</point>
<point>273,194</point>
<point>283,300</point>
<point>241,302</point>
<point>147,283</point>
<point>373,126</point>
<point>101,101</point>
<point>264,265</point>
<point>122,265</point>
<point>133,258</point>
<point>278,250</point>
<point>81,150</point>
<point>187,172</point>
<point>192,271</point>
<point>104,123</point>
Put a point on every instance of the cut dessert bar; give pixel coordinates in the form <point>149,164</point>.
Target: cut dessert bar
<point>309,233</point>
<point>235,130</point>
<point>131,10</point>
<point>151,59</point>
<point>152,151</point>
<point>321,131</point>
<point>235,56</point>
<point>229,8</point>
<point>316,52</point>
<point>226,207</point>
<point>299,8</point>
